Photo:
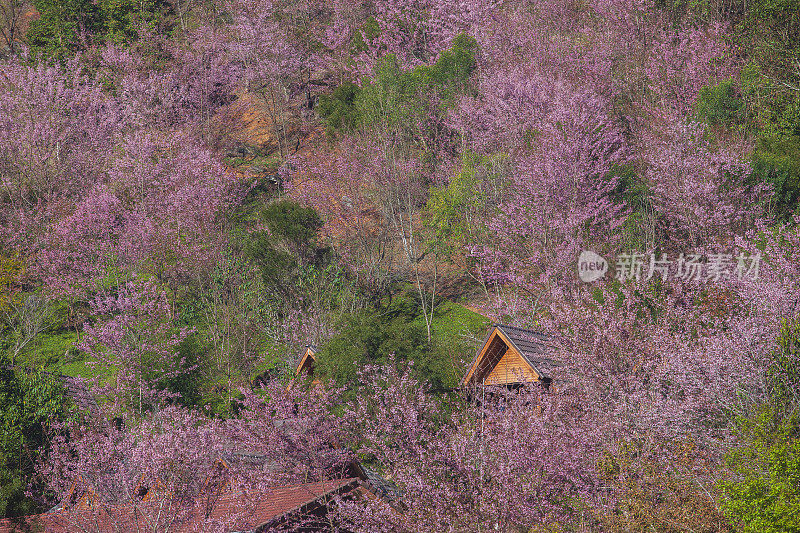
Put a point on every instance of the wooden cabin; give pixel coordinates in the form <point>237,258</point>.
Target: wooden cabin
<point>305,368</point>
<point>512,356</point>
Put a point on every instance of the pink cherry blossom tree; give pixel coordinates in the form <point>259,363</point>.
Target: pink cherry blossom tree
<point>163,474</point>
<point>157,212</point>
<point>560,198</point>
<point>135,346</point>
<point>511,460</point>
<point>177,469</point>
<point>57,131</point>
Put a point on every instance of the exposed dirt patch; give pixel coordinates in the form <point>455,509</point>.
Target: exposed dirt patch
<point>251,123</point>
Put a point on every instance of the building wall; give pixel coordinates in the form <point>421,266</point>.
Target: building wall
<point>510,369</point>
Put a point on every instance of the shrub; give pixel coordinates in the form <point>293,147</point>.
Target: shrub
<point>763,492</point>
<point>398,99</point>
<point>288,246</point>
<point>776,160</point>
<point>717,105</point>
<point>764,495</point>
<point>339,108</point>
<point>453,209</point>
<point>27,403</point>
<point>56,33</point>
<point>653,489</point>
<point>371,337</point>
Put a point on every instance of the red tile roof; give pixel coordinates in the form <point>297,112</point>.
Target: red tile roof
<point>231,512</point>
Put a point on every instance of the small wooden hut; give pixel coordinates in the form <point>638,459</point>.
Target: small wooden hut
<point>512,356</point>
<point>305,368</point>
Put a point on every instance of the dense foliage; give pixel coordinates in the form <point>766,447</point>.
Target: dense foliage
<point>192,191</point>
<point>28,403</point>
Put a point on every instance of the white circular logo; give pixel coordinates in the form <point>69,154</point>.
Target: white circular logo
<point>591,266</point>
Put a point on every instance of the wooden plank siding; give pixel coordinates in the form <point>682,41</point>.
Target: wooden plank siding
<point>492,352</point>
<point>511,369</point>
<point>500,362</point>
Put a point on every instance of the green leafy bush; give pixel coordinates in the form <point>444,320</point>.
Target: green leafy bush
<point>769,32</point>
<point>288,246</point>
<point>297,225</point>
<point>339,108</point>
<point>763,494</point>
<point>718,105</point>
<point>121,17</point>
<point>634,191</point>
<point>776,160</point>
<point>188,383</point>
<point>765,497</point>
<point>396,98</point>
<point>371,336</point>
<point>27,403</point>
<point>784,373</point>
<point>368,31</point>
<point>454,333</point>
<point>450,75</point>
<point>453,210</point>
<point>54,34</point>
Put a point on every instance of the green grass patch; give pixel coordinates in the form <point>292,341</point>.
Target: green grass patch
<point>56,352</point>
<point>259,162</point>
<point>82,368</point>
<point>398,327</point>
<point>452,321</point>
<point>50,349</point>
<point>455,335</point>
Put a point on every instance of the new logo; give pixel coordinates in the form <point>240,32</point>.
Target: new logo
<point>591,266</point>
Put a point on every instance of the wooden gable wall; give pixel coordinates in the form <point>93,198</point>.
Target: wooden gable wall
<point>512,368</point>
<point>499,363</point>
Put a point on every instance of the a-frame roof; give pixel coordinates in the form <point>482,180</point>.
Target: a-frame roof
<point>533,347</point>
<point>305,363</point>
<point>308,357</point>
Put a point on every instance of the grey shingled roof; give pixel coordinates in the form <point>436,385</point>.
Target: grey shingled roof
<point>377,483</point>
<point>534,348</point>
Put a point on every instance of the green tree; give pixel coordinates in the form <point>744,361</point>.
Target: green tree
<point>718,105</point>
<point>454,211</point>
<point>397,99</point>
<point>370,337</point>
<point>297,226</point>
<point>64,25</point>
<point>765,496</point>
<point>776,160</point>
<point>769,34</point>
<point>289,245</point>
<point>61,26</point>
<point>121,17</point>
<point>339,109</point>
<point>298,272</point>
<point>28,401</point>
